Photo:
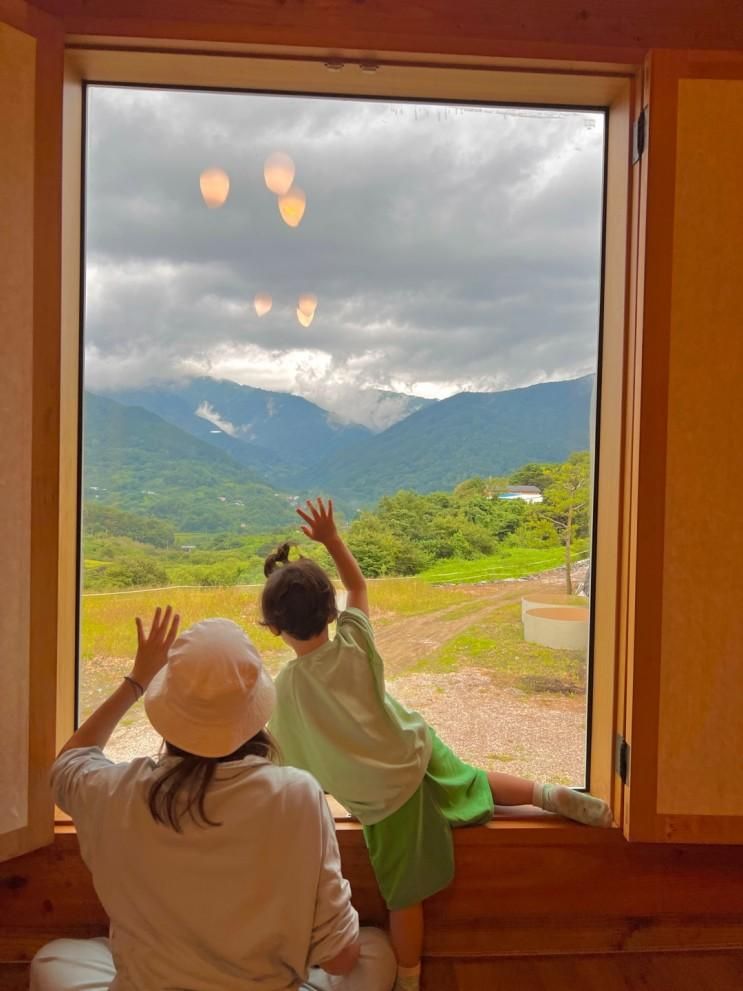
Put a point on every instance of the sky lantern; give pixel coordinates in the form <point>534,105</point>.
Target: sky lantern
<point>291,206</point>
<point>308,304</point>
<point>215,187</point>
<point>304,318</point>
<point>278,171</point>
<point>262,303</point>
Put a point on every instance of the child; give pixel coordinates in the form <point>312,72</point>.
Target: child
<point>380,761</point>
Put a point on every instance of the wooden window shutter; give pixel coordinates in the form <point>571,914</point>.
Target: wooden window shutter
<point>31,60</point>
<point>684,723</point>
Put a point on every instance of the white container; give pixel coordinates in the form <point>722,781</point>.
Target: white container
<point>539,600</point>
<point>561,627</point>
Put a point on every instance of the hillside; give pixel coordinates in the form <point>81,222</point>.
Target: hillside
<point>275,433</point>
<point>137,462</point>
<point>468,434</point>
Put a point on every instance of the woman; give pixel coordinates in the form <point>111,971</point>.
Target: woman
<point>218,868</point>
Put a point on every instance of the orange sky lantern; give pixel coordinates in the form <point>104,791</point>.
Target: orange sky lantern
<point>292,206</point>
<point>262,303</point>
<point>278,171</point>
<point>215,187</point>
<point>308,304</point>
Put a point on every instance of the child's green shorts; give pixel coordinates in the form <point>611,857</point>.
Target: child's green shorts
<point>412,851</point>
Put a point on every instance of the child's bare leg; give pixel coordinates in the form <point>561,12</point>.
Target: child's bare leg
<point>507,789</point>
<point>580,806</point>
<point>406,936</point>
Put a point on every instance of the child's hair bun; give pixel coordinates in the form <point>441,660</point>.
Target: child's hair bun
<point>278,559</point>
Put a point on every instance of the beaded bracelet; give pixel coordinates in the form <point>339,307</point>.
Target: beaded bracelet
<point>138,689</point>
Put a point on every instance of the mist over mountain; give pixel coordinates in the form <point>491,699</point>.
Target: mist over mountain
<point>273,432</point>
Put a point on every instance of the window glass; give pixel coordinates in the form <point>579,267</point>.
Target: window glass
<point>395,304</point>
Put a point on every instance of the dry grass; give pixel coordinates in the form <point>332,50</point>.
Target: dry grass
<point>455,653</point>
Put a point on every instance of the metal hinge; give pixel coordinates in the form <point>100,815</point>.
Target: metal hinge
<point>640,135</point>
<point>621,758</point>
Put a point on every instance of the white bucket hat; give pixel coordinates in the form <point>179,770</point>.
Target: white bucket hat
<point>214,693</point>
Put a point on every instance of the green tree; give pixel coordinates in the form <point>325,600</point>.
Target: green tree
<point>535,473</point>
<point>565,504</point>
<point>536,531</point>
<point>135,572</point>
<point>101,519</point>
<point>226,542</point>
<point>372,546</point>
<point>409,558</point>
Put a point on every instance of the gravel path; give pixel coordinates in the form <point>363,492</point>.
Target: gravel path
<point>137,740</point>
<point>500,729</point>
<point>495,728</point>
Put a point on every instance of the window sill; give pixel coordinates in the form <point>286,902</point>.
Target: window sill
<point>509,827</point>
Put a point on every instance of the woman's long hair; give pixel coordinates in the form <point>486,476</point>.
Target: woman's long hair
<point>180,790</point>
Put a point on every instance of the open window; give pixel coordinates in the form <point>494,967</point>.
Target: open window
<point>394,303</point>
<point>604,95</point>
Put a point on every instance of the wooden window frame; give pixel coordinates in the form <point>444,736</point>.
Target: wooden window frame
<point>585,85</point>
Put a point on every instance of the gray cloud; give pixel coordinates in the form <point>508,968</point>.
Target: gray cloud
<point>450,248</point>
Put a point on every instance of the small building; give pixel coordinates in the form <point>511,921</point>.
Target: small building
<point>527,493</point>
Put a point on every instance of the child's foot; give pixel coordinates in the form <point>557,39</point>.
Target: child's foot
<point>575,805</point>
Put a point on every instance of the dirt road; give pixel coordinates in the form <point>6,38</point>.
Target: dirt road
<point>404,639</point>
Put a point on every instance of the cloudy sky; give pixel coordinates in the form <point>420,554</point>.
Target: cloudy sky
<point>450,248</point>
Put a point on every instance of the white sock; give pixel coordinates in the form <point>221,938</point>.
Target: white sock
<point>408,978</point>
<point>576,805</point>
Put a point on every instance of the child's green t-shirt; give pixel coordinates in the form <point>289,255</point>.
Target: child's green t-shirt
<point>334,718</point>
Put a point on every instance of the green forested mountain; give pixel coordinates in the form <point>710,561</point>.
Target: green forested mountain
<point>451,440</point>
<point>137,462</point>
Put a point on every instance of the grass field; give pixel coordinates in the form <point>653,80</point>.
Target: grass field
<point>509,562</point>
<point>107,627</point>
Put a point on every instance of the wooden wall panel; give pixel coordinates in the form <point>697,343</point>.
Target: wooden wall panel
<point>701,727</point>
<point>618,29</point>
<point>534,890</point>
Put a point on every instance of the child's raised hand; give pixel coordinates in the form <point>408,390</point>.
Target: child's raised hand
<point>320,522</point>
<point>153,647</point>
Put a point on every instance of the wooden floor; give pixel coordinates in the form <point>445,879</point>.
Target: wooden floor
<point>618,972</point>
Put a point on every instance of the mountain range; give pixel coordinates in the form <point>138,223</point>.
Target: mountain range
<point>213,455</point>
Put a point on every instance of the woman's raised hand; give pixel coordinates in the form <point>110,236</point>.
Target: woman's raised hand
<point>319,520</point>
<point>153,647</point>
